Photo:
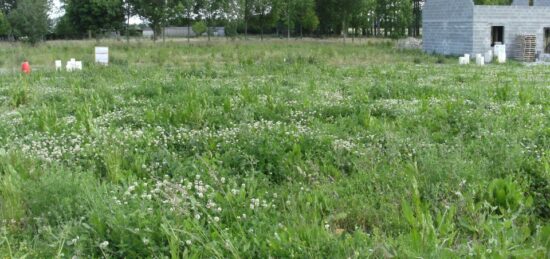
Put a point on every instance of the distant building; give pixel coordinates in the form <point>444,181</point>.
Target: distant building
<point>178,32</point>
<point>457,27</point>
<point>148,33</point>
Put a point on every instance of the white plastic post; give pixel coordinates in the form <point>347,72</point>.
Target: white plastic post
<point>502,57</point>
<point>500,52</point>
<point>71,65</point>
<point>58,65</point>
<point>462,61</point>
<point>480,60</point>
<point>78,65</point>
<point>488,56</point>
<point>102,55</point>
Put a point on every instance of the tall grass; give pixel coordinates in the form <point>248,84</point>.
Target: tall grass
<point>301,149</point>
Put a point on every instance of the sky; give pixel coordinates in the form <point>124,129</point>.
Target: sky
<point>57,11</point>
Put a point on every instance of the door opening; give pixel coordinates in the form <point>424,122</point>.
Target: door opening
<point>497,35</point>
<point>547,40</point>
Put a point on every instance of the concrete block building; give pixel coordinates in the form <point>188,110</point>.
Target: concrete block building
<point>457,27</point>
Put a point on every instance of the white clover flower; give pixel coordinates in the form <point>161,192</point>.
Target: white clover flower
<point>216,219</point>
<point>188,242</point>
<point>104,244</point>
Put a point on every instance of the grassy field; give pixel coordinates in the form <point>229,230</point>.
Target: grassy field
<point>272,150</point>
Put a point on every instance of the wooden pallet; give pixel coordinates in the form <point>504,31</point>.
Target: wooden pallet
<point>526,48</point>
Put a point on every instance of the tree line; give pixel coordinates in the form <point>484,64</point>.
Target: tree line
<point>390,18</point>
<point>29,20</point>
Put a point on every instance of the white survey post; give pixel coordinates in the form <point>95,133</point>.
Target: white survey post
<point>102,55</point>
<point>500,52</point>
<point>58,65</point>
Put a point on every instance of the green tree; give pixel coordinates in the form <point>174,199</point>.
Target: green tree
<point>287,13</point>
<point>400,14</point>
<point>238,12</point>
<point>211,9</point>
<point>156,12</point>
<point>96,16</point>
<point>309,22</point>
<point>246,12</point>
<point>65,29</point>
<point>231,29</point>
<point>199,28</point>
<point>416,23</point>
<point>29,20</point>
<point>298,15</point>
<point>128,12</point>
<point>345,10</point>
<point>394,16</point>
<point>5,27</point>
<point>364,19</point>
<point>267,13</point>
<point>305,15</point>
<point>6,6</point>
<point>234,15</point>
<point>188,7</point>
<point>327,16</point>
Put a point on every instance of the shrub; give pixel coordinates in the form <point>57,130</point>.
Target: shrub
<point>231,30</point>
<point>199,28</point>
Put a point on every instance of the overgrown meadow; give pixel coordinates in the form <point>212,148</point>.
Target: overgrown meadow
<point>272,150</point>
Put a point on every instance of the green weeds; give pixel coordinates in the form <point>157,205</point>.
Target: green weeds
<point>279,150</point>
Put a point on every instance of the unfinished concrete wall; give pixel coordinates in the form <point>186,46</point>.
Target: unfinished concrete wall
<point>516,20</point>
<point>521,2</point>
<point>448,26</point>
<point>542,2</point>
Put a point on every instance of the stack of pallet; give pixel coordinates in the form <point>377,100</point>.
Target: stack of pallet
<point>526,48</point>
